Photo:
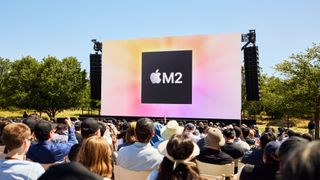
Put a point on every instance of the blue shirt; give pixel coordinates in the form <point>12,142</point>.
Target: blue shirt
<point>139,157</point>
<point>50,152</point>
<point>20,170</point>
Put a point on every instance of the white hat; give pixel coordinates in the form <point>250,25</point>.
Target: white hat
<point>170,129</point>
<point>162,148</point>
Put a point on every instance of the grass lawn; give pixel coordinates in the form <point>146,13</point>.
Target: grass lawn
<point>65,113</point>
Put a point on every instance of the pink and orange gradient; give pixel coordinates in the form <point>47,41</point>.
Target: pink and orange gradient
<point>216,77</point>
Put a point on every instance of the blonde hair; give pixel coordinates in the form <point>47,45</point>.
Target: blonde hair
<point>13,135</point>
<point>130,136</point>
<point>95,154</point>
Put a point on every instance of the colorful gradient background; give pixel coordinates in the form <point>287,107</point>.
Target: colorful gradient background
<point>216,77</point>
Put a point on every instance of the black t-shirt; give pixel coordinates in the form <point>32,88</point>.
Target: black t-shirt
<point>234,150</point>
<point>213,156</point>
<point>263,172</point>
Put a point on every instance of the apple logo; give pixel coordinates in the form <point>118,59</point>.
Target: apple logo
<point>155,77</point>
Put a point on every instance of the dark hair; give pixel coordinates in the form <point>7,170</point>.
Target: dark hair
<point>229,133</point>
<point>69,171</point>
<point>238,131</point>
<point>265,138</point>
<point>245,132</point>
<point>303,163</point>
<point>288,146</point>
<point>179,147</point>
<point>102,127</point>
<point>144,130</point>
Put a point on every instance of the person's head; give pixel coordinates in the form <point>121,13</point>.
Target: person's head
<point>189,127</point>
<point>238,131</point>
<point>77,126</point>
<point>102,127</point>
<point>144,130</point>
<point>179,158</point>
<point>289,146</point>
<point>214,138</point>
<point>16,137</point>
<point>43,130</point>
<point>303,163</point>
<point>90,127</point>
<point>229,134</point>
<point>170,129</point>
<point>31,123</point>
<point>269,154</point>
<point>265,138</point>
<point>245,132</point>
<point>69,171</point>
<point>130,137</point>
<point>251,133</point>
<point>307,136</point>
<point>95,154</point>
<point>291,133</point>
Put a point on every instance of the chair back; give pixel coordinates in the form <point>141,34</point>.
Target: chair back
<point>121,173</point>
<point>226,170</point>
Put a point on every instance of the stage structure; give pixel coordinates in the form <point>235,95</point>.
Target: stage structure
<point>196,77</point>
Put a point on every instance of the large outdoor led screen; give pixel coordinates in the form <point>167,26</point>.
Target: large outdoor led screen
<point>184,77</point>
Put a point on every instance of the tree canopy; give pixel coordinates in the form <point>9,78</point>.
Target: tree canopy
<point>49,86</point>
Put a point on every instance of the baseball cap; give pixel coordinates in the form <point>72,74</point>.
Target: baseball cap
<point>42,130</point>
<point>89,126</point>
<point>271,148</point>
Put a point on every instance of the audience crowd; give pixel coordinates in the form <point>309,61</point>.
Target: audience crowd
<point>33,148</point>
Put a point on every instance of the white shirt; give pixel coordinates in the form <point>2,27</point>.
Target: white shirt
<point>139,157</point>
<point>20,170</point>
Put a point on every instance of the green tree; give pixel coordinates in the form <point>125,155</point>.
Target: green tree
<point>18,83</point>
<point>5,65</point>
<point>274,100</point>
<point>61,85</point>
<point>301,75</point>
<point>48,86</point>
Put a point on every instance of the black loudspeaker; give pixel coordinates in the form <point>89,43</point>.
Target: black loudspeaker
<point>251,65</point>
<point>95,76</point>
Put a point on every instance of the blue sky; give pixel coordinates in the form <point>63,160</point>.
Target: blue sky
<point>64,28</point>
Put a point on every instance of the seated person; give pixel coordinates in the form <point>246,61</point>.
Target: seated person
<point>212,153</point>
<point>140,156</point>
<point>95,154</point>
<point>171,128</point>
<point>16,138</point>
<point>269,168</point>
<point>234,150</point>
<point>89,127</point>
<point>254,156</point>
<point>243,144</point>
<point>46,151</point>
<point>179,161</point>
